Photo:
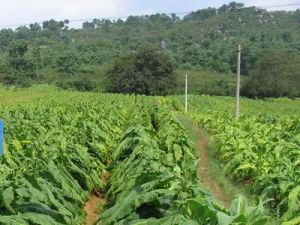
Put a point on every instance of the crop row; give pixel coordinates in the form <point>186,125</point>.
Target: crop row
<point>53,159</point>
<point>259,151</point>
<point>153,179</point>
<point>57,148</point>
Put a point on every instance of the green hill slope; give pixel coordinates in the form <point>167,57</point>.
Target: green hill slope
<point>204,40</point>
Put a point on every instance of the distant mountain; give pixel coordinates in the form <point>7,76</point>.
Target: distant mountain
<point>205,39</point>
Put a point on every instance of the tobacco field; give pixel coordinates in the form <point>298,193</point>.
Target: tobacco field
<point>61,146</point>
<point>261,150</point>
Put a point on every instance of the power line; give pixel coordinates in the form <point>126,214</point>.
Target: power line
<point>272,50</point>
<point>278,6</point>
<point>125,17</point>
<point>90,19</point>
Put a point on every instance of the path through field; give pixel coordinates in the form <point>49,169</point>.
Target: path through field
<point>204,168</point>
<point>97,200</point>
<point>93,207</point>
<point>205,164</point>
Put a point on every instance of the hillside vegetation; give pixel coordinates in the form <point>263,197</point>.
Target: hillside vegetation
<point>205,40</point>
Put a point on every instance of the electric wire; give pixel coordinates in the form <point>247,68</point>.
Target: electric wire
<point>125,17</point>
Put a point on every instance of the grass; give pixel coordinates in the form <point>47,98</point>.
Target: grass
<point>97,76</point>
<point>207,82</point>
<point>230,189</point>
<point>200,82</point>
<point>14,95</point>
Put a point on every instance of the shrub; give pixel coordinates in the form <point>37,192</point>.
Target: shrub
<point>147,71</point>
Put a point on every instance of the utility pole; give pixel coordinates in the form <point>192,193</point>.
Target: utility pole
<point>164,46</point>
<point>1,137</point>
<point>186,94</point>
<point>238,83</point>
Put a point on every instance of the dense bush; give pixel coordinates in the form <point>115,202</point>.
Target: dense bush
<point>275,75</point>
<point>147,71</point>
<point>16,80</point>
<point>20,68</point>
<point>68,62</point>
<point>82,84</point>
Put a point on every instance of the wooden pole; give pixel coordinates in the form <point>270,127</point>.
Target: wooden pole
<point>186,94</point>
<point>238,83</point>
<point>1,137</point>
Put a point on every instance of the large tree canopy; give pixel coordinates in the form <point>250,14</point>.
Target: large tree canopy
<point>275,75</point>
<point>147,71</point>
<point>20,68</point>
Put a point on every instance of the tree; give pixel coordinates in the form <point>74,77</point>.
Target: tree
<point>88,25</point>
<point>23,32</point>
<point>21,67</point>
<point>202,14</point>
<point>68,62</point>
<point>175,18</point>
<point>18,49</point>
<point>135,21</point>
<point>16,57</point>
<point>297,14</point>
<point>55,26</point>
<point>6,36</point>
<point>235,5</point>
<point>119,22</point>
<point>275,75</point>
<point>232,6</point>
<point>37,57</point>
<point>147,71</point>
<point>35,27</point>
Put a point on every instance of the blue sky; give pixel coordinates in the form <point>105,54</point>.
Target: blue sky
<point>27,11</point>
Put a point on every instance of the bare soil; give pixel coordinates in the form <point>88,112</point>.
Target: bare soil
<point>204,170</point>
<point>96,202</point>
<point>93,207</point>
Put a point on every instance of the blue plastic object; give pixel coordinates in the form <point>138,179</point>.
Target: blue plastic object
<point>1,137</point>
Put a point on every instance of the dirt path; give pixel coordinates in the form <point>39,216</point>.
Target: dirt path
<point>205,165</point>
<point>204,169</point>
<point>96,202</point>
<point>93,207</point>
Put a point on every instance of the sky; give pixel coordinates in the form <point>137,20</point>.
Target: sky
<point>21,12</point>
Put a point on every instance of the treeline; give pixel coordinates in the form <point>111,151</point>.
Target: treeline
<point>202,40</point>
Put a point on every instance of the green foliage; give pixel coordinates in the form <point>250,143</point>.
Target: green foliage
<point>17,79</point>
<point>260,150</point>
<point>77,84</point>
<point>18,49</point>
<point>154,179</point>
<point>232,6</point>
<point>52,25</point>
<point>203,40</point>
<point>201,14</point>
<point>68,62</point>
<point>148,71</point>
<point>207,82</point>
<point>51,164</point>
<point>20,67</point>
<point>57,147</point>
<point>275,75</point>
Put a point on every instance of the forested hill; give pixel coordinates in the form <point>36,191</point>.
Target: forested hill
<point>205,39</point>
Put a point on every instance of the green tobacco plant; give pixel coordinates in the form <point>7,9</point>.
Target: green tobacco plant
<point>57,149</point>
<point>260,150</point>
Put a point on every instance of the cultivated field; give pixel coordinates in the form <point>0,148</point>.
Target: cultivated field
<point>131,152</point>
